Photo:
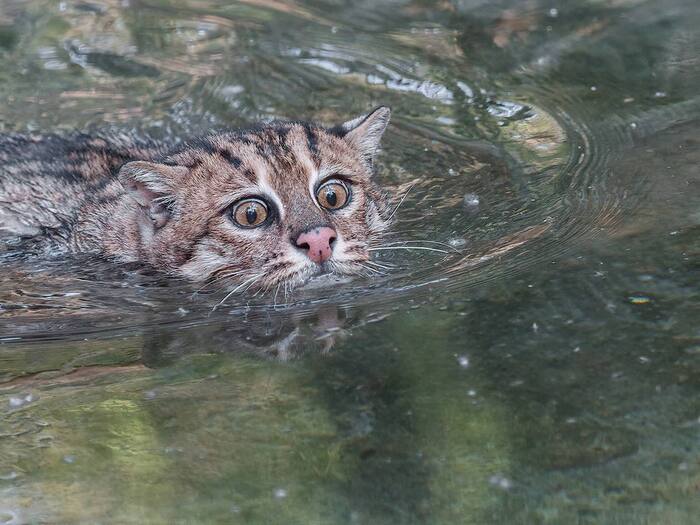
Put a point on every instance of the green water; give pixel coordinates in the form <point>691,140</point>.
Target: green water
<point>543,367</point>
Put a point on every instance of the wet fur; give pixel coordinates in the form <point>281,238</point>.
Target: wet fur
<point>138,200</point>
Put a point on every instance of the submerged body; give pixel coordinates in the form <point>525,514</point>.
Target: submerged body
<point>275,204</point>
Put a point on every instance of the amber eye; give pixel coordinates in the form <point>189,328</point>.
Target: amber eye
<point>333,195</point>
<point>250,213</point>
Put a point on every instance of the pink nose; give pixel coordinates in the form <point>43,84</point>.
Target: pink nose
<point>318,243</point>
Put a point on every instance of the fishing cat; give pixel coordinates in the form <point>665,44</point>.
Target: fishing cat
<point>276,204</point>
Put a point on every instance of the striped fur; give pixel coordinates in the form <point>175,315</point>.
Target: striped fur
<point>169,206</point>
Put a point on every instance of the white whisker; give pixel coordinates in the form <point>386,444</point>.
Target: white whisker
<point>244,283</point>
<point>401,202</point>
<point>387,248</point>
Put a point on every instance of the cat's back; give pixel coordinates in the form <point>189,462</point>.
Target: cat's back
<point>74,158</point>
<point>45,178</point>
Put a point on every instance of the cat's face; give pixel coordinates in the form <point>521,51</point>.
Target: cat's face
<point>266,207</point>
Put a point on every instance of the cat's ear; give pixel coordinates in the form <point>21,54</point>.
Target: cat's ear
<point>365,132</point>
<point>151,185</point>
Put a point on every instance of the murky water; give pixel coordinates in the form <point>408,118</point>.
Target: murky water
<point>541,364</point>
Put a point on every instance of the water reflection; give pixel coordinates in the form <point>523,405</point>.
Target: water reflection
<point>538,364</point>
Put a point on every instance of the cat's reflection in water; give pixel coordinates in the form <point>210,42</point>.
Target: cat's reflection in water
<point>276,335</point>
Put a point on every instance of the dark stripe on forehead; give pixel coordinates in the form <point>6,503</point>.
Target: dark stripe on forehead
<point>229,157</point>
<point>312,142</point>
<point>282,132</point>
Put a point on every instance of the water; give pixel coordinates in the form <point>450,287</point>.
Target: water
<point>540,366</point>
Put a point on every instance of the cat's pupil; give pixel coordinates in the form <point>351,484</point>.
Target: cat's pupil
<point>251,215</point>
<point>331,198</point>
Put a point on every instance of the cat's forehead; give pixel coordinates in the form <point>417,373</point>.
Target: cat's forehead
<point>283,160</point>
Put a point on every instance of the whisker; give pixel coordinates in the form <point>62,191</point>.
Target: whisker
<point>373,271</point>
<point>438,243</point>
<point>251,281</point>
<point>401,202</point>
<point>380,266</point>
<point>220,274</point>
<point>426,248</point>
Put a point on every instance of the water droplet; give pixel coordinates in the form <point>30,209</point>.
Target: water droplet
<point>471,200</point>
<point>639,299</point>
<point>21,400</point>
<point>501,482</point>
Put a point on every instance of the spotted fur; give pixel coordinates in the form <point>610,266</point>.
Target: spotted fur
<point>169,206</point>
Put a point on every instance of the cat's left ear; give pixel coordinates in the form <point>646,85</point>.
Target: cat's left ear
<point>365,132</point>
<point>152,186</point>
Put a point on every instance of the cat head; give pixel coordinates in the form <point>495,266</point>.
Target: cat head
<point>275,205</point>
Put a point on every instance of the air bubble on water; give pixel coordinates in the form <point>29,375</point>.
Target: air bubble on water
<point>644,360</point>
<point>501,482</point>
<point>463,361</point>
<point>535,327</point>
<point>471,393</point>
<point>633,125</point>
<point>69,458</point>
<point>471,200</point>
<point>280,493</point>
<point>150,394</point>
<point>683,466</point>
<point>9,476</point>
<point>457,242</point>
<point>660,94</point>
<point>554,12</point>
<point>594,88</point>
<point>21,400</point>
<point>639,299</point>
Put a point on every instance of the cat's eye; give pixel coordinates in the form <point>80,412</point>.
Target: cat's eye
<point>333,195</point>
<point>250,213</point>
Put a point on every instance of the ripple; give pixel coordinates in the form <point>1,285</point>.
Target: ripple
<point>509,169</point>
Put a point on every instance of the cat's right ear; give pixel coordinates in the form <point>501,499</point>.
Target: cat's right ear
<point>365,132</point>
<point>152,186</point>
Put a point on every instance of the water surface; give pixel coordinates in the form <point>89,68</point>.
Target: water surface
<point>539,364</point>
